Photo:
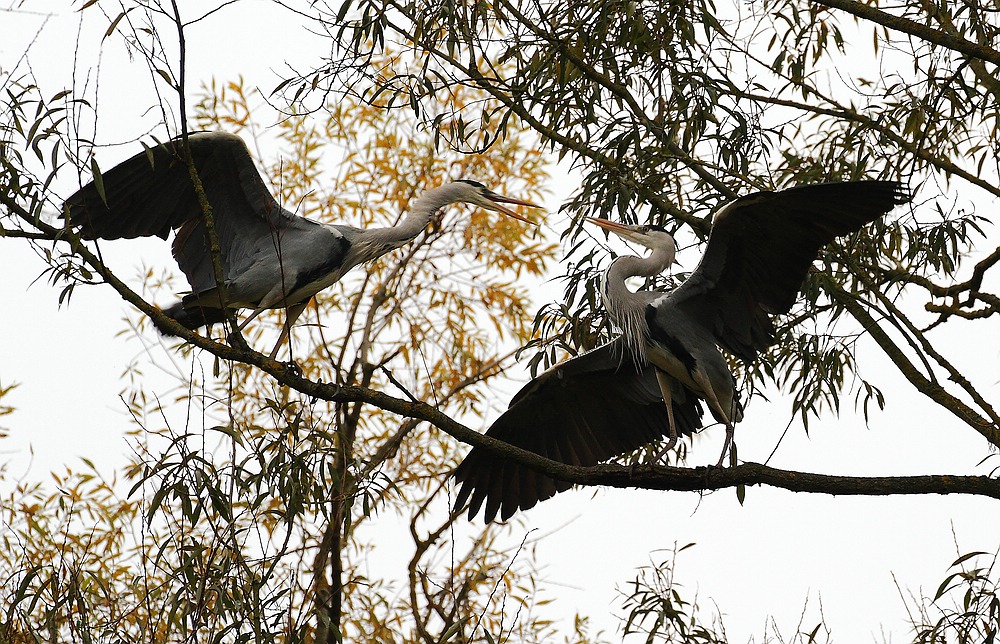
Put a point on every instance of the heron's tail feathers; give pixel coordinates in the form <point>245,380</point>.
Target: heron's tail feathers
<point>191,315</point>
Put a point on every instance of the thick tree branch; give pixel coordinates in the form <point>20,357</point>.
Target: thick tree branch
<point>972,284</point>
<point>649,477</point>
<point>907,26</point>
<point>711,478</point>
<point>975,314</point>
<point>924,347</point>
<point>21,234</point>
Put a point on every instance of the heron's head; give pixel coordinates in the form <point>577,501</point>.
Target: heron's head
<point>651,236</point>
<point>476,193</point>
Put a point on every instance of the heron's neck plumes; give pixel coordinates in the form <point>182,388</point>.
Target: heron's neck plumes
<point>628,309</point>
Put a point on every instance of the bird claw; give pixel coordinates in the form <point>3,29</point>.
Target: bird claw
<point>661,454</point>
<point>293,368</point>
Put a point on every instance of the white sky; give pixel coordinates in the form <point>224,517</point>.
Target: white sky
<point>764,559</point>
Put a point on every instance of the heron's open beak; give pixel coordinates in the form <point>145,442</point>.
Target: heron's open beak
<point>621,230</point>
<point>500,199</point>
<point>631,233</point>
<point>637,234</point>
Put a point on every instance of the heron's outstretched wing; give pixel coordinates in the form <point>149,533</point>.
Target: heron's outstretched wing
<point>152,193</point>
<point>588,409</point>
<point>759,253</point>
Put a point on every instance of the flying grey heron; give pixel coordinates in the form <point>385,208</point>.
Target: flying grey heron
<point>270,257</point>
<point>647,383</point>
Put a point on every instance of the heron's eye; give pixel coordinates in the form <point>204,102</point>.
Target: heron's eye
<point>643,229</point>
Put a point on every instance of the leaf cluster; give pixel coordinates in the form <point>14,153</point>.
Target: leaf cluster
<point>289,487</point>
<point>966,606</point>
<point>668,110</point>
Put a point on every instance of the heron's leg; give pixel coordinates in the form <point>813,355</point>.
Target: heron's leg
<point>730,434</point>
<point>713,401</point>
<point>665,382</point>
<point>242,325</point>
<point>292,313</point>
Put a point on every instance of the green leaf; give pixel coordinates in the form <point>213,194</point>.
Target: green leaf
<point>22,588</point>
<point>342,12</point>
<point>114,24</point>
<point>155,503</point>
<point>98,180</point>
<point>966,557</point>
<point>165,76</point>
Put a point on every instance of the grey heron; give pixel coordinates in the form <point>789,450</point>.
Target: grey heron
<point>271,258</point>
<point>647,383</point>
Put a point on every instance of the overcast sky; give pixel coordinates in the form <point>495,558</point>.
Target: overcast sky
<point>768,557</point>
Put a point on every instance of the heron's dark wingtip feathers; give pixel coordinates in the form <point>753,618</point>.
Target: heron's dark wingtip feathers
<point>591,408</point>
<point>760,251</point>
<point>473,476</point>
<point>151,193</point>
<point>475,497</point>
<point>830,210</point>
<point>499,486</point>
<point>834,208</point>
<point>493,502</point>
<point>901,193</point>
<point>118,206</point>
<point>464,490</point>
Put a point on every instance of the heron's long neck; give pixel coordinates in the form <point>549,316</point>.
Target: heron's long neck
<point>628,309</point>
<point>421,210</point>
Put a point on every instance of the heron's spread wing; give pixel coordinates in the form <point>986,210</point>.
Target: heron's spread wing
<point>588,409</point>
<point>760,250</point>
<point>152,193</point>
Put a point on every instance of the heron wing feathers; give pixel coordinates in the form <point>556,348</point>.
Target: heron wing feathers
<point>760,251</point>
<point>152,193</point>
<point>248,221</point>
<point>586,410</point>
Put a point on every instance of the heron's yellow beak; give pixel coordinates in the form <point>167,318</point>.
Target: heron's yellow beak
<point>500,199</point>
<point>621,230</point>
<point>635,234</point>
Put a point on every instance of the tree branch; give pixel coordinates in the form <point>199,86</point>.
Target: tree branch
<point>658,477</point>
<point>649,477</point>
<point>853,116</point>
<point>625,96</point>
<point>567,141</point>
<point>921,383</point>
<point>21,234</point>
<point>972,284</point>
<point>907,26</point>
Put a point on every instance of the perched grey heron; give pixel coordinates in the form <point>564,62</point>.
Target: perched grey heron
<point>647,383</point>
<point>270,257</point>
